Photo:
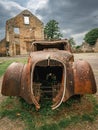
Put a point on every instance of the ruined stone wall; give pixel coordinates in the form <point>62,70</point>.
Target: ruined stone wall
<point>86,47</point>
<point>89,48</point>
<point>96,46</point>
<point>21,31</point>
<point>2,47</point>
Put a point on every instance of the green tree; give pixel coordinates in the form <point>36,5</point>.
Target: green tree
<point>91,36</point>
<point>52,30</point>
<point>72,42</point>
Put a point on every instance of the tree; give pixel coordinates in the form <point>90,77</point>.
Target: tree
<point>52,30</point>
<point>91,36</point>
<point>72,42</point>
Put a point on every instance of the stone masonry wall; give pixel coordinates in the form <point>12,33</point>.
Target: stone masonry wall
<point>20,35</point>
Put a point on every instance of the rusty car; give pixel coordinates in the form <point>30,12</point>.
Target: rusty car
<point>50,73</point>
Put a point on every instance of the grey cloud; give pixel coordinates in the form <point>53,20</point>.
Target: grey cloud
<point>6,13</point>
<point>78,16</point>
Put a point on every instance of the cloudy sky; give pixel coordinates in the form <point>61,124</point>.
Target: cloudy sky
<point>75,17</point>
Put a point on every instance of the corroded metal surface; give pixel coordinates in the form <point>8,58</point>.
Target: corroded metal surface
<point>83,78</point>
<point>50,73</point>
<point>11,85</point>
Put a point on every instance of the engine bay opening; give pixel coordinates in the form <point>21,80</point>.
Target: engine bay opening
<point>47,80</point>
<point>59,46</point>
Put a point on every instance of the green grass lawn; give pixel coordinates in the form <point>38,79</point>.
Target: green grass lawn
<point>5,63</point>
<point>47,119</point>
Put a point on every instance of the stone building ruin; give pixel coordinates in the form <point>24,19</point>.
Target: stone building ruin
<point>21,31</point>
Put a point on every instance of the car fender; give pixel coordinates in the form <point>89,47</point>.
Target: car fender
<point>11,84</point>
<point>84,80</point>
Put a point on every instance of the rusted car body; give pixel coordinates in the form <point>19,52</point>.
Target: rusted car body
<point>50,73</point>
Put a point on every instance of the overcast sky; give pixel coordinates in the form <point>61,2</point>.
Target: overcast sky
<point>75,17</point>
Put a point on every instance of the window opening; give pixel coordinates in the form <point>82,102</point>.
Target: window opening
<point>26,20</point>
<point>16,30</point>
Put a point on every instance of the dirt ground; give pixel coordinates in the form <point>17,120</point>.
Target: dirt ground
<point>92,58</point>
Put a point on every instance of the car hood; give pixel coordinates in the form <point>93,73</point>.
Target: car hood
<point>59,55</point>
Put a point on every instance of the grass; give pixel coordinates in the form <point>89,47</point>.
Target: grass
<point>5,63</point>
<point>87,117</point>
<point>52,126</point>
<point>46,119</point>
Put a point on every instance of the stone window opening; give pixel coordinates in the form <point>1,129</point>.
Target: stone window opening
<point>16,30</point>
<point>26,19</point>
